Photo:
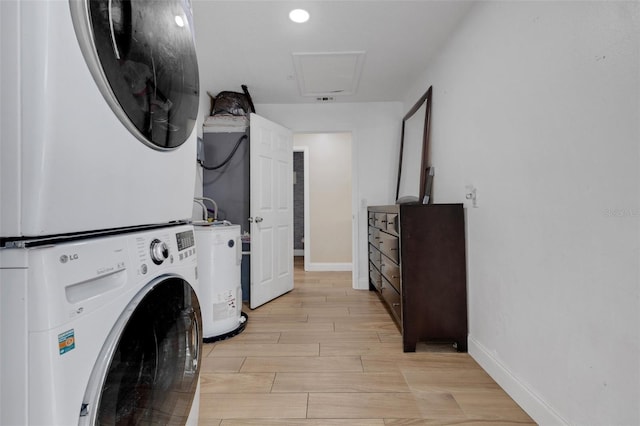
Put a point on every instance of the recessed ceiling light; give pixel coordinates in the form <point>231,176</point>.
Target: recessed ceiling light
<point>299,15</point>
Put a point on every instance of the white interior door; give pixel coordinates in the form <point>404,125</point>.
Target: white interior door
<point>271,210</point>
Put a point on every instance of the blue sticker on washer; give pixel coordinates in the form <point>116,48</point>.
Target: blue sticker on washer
<point>66,341</point>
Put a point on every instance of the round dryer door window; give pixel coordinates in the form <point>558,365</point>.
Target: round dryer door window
<point>148,370</point>
<point>142,56</point>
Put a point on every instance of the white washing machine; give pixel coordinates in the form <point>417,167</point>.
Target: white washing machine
<point>219,258</point>
<point>103,330</point>
<point>98,110</point>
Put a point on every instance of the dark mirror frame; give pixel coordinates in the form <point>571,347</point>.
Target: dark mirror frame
<point>424,99</point>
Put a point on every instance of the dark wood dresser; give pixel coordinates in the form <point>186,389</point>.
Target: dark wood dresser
<point>417,265</point>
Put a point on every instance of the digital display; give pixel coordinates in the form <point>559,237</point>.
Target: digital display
<point>185,240</point>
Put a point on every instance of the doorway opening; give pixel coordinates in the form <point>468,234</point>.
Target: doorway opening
<point>300,181</point>
<point>323,218</point>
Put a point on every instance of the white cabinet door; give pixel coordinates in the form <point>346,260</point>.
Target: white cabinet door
<point>271,210</point>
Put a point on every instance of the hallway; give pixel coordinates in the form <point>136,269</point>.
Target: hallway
<point>325,354</point>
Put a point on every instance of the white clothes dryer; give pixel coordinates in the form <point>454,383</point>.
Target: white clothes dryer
<point>103,330</point>
<point>98,110</point>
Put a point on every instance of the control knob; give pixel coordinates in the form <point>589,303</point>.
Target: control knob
<point>159,251</point>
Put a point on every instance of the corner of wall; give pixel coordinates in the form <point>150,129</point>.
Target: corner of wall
<point>530,402</point>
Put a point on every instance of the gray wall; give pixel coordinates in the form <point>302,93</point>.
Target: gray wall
<point>229,185</point>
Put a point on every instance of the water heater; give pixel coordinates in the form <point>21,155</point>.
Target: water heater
<point>219,259</point>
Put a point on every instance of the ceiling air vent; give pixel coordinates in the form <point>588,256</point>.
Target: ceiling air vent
<point>324,75</point>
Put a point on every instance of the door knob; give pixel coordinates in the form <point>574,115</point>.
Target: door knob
<point>259,219</point>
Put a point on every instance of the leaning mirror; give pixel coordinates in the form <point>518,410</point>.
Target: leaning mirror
<point>414,144</point>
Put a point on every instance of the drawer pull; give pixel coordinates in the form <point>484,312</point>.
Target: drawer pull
<point>395,305</point>
<point>394,249</point>
<point>394,276</point>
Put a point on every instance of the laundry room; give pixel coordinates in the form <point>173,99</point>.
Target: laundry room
<point>349,212</point>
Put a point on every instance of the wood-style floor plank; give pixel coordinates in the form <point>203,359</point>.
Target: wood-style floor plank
<point>328,336</point>
<point>449,379</point>
<point>304,422</point>
<point>266,349</point>
<point>340,382</point>
<point>362,349</point>
<point>301,364</point>
<point>325,354</point>
<point>221,365</point>
<point>371,405</point>
<point>252,406</point>
<point>280,326</point>
<point>236,382</point>
<point>490,406</point>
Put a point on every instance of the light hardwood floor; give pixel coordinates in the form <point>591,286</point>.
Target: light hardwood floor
<point>325,354</point>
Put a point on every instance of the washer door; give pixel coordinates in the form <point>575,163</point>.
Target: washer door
<point>142,56</point>
<point>148,370</point>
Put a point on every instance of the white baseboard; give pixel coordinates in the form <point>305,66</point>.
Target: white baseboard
<point>318,267</point>
<point>363,283</point>
<point>535,406</point>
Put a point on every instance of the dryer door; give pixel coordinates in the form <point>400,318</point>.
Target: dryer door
<point>142,56</point>
<point>148,370</point>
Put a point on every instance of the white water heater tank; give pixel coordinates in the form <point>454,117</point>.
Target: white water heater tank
<point>219,258</point>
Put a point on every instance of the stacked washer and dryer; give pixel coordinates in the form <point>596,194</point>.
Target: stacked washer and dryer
<point>99,315</point>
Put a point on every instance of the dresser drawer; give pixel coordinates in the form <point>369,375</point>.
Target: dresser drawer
<point>380,220</point>
<point>374,256</point>
<point>372,219</point>
<point>375,277</point>
<point>374,237</point>
<point>391,272</point>
<point>388,245</point>
<point>392,223</point>
<point>392,297</point>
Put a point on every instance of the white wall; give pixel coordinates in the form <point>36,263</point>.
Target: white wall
<point>537,104</point>
<point>330,200</point>
<point>375,128</point>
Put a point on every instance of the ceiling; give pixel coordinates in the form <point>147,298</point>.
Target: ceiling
<point>254,42</point>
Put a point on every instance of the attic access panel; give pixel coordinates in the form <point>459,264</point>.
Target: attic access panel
<point>329,73</point>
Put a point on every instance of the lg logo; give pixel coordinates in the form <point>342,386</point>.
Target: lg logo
<point>66,258</point>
